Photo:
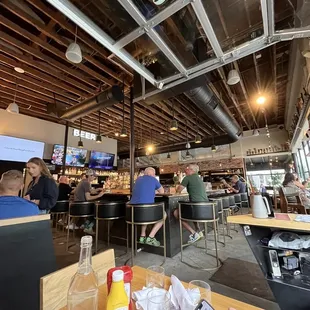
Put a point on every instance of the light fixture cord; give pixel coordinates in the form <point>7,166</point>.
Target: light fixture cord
<point>99,122</point>
<point>76,29</point>
<point>80,128</point>
<point>123,101</point>
<point>15,92</point>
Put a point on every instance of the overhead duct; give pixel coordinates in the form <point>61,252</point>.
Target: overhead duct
<point>103,100</point>
<point>220,140</point>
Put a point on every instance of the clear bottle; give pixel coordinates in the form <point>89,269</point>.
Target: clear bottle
<point>83,290</point>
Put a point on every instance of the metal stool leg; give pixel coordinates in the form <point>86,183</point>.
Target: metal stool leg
<point>223,224</point>
<point>164,229</point>
<point>215,242</point>
<point>68,232</point>
<point>136,237</point>
<point>97,229</point>
<point>127,238</point>
<point>132,243</point>
<point>206,242</point>
<point>181,238</point>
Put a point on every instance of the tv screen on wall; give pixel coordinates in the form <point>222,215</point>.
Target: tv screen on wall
<point>101,160</point>
<point>19,150</point>
<point>75,157</point>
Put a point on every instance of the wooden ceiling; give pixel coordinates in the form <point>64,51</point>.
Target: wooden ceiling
<point>34,36</point>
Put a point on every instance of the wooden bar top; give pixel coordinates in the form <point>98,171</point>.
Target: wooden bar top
<point>219,302</point>
<point>248,219</point>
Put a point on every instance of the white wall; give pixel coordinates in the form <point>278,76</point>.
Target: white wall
<point>23,126</point>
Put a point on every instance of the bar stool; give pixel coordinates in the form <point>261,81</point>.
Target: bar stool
<point>232,206</point>
<point>79,210</point>
<point>226,211</point>
<point>201,212</point>
<point>60,211</point>
<point>238,201</point>
<point>110,211</point>
<point>245,200</point>
<point>145,214</point>
<point>219,201</point>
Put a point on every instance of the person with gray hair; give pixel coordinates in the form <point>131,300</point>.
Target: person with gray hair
<point>197,193</point>
<point>144,192</point>
<point>11,205</point>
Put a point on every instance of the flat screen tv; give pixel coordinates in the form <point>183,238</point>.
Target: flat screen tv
<point>20,150</point>
<point>100,160</point>
<point>75,157</point>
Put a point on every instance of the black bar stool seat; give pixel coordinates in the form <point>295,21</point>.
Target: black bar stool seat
<point>238,202</point>
<point>145,214</point>
<point>109,211</point>
<point>60,212</point>
<point>245,200</point>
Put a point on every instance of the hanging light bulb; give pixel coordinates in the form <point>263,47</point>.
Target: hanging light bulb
<point>173,125</point>
<point>233,77</point>
<point>73,52</point>
<point>198,139</point>
<point>123,133</point>
<point>188,145</point>
<point>188,154</point>
<point>13,107</point>
<point>150,148</point>
<point>116,134</point>
<point>98,137</point>
<point>80,144</point>
<point>213,148</point>
<point>168,156</point>
<point>255,132</point>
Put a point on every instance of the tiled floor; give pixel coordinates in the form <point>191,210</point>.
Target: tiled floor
<point>235,248</point>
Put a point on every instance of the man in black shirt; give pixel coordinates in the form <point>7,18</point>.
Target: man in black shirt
<point>64,189</point>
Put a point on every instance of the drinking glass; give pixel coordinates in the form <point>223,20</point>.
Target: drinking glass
<point>155,277</point>
<point>158,299</point>
<point>199,290</point>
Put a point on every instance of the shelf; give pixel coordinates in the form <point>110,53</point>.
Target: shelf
<point>299,281</point>
<point>283,249</point>
<point>268,154</point>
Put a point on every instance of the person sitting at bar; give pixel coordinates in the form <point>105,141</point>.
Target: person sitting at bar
<point>64,189</point>
<point>83,193</point>
<point>238,187</point>
<point>11,205</point>
<point>197,193</point>
<point>144,191</point>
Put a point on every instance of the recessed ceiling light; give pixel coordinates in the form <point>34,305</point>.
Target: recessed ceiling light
<point>116,134</point>
<point>161,132</point>
<point>110,120</point>
<point>19,69</point>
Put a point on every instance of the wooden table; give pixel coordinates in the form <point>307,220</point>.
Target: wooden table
<point>219,302</point>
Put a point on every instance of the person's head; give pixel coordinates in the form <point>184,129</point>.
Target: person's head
<point>37,167</point>
<point>150,171</point>
<point>90,175</point>
<point>11,183</point>
<point>191,169</point>
<point>288,178</point>
<point>234,179</point>
<point>63,180</point>
<point>83,176</point>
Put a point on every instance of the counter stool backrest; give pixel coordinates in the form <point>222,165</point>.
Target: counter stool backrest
<point>110,210</point>
<point>61,206</point>
<point>203,211</point>
<point>237,198</point>
<point>144,213</point>
<point>232,202</point>
<point>82,208</point>
<point>244,197</point>
<point>225,202</point>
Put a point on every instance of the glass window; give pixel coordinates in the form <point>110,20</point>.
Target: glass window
<point>303,162</point>
<point>298,164</point>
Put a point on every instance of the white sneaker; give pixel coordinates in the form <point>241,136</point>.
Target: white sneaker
<point>193,238</point>
<point>89,231</point>
<point>72,226</point>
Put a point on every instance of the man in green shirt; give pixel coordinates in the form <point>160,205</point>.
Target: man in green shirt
<point>197,193</point>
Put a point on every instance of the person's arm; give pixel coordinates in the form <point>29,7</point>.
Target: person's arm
<point>298,184</point>
<point>158,188</point>
<point>179,189</point>
<point>49,196</point>
<point>183,184</point>
<point>90,197</point>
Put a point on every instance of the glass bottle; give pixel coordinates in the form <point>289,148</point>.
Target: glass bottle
<point>83,290</point>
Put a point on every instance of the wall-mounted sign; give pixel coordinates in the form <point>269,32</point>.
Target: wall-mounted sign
<point>84,134</point>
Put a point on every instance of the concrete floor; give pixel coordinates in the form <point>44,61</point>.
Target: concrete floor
<point>237,247</point>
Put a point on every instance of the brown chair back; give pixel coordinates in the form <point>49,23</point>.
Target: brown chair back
<point>290,207</point>
<point>54,287</point>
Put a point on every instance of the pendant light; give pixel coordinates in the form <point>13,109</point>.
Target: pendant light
<point>73,52</point>
<point>123,133</point>
<point>213,147</point>
<point>13,107</point>
<point>233,77</point>
<point>173,123</point>
<point>80,143</point>
<point>187,145</point>
<point>198,136</point>
<point>188,154</point>
<point>168,155</point>
<point>98,137</point>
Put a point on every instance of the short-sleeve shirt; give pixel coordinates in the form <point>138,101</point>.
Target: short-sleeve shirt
<point>239,186</point>
<point>80,191</point>
<point>144,190</point>
<point>195,188</point>
<point>64,191</point>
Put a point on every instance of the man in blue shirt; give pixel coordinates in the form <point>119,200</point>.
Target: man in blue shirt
<point>11,205</point>
<point>144,193</point>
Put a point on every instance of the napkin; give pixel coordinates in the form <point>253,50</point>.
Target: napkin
<point>181,295</point>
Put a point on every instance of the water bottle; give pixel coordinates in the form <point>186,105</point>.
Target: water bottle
<point>83,290</point>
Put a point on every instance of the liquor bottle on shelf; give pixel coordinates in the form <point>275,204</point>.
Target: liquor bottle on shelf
<point>83,290</point>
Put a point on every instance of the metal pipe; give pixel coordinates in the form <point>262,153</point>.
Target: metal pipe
<point>65,148</point>
<point>93,104</point>
<point>132,140</point>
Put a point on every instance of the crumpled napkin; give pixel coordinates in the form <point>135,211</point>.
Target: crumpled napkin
<point>180,297</point>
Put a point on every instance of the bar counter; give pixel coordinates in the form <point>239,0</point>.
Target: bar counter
<point>172,225</point>
<point>290,292</point>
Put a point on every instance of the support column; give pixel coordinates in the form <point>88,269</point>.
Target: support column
<point>65,148</point>
<point>132,140</point>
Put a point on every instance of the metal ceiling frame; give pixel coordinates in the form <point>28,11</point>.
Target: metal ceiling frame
<point>269,38</point>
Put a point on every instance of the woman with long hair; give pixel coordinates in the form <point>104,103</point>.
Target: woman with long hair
<point>42,190</point>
